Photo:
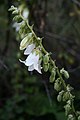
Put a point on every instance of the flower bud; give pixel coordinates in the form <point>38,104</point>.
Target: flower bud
<point>53,74</point>
<point>70,117</point>
<point>50,67</point>
<point>66,96</point>
<point>46,67</point>
<point>59,97</point>
<point>46,59</point>
<point>39,38</point>
<point>69,88</point>
<point>57,85</point>
<point>62,92</point>
<point>25,42</point>
<point>17,18</point>
<point>78,113</point>
<point>67,109</point>
<point>65,73</point>
<point>78,117</point>
<point>69,102</point>
<point>12,8</point>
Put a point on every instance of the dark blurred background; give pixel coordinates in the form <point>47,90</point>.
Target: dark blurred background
<point>30,96</point>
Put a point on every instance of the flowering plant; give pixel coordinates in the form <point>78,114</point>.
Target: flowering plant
<point>38,58</point>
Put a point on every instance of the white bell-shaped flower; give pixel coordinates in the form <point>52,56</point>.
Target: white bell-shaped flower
<point>33,62</point>
<point>29,49</point>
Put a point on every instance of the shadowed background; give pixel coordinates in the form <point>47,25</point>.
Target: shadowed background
<point>25,95</point>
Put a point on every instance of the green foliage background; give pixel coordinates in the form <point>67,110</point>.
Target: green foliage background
<point>30,96</point>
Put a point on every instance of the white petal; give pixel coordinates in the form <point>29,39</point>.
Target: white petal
<point>37,67</point>
<point>25,13</point>
<point>22,61</point>
<point>29,49</point>
<point>32,59</point>
<point>31,68</point>
<point>29,60</point>
<point>36,58</point>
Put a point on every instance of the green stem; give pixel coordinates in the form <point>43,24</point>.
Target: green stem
<point>52,62</point>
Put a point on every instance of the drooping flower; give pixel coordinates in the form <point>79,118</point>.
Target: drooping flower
<point>29,49</point>
<point>33,62</point>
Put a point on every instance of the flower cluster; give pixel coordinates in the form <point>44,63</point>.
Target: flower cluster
<point>25,13</point>
<point>33,59</point>
<point>37,56</point>
<point>28,43</point>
